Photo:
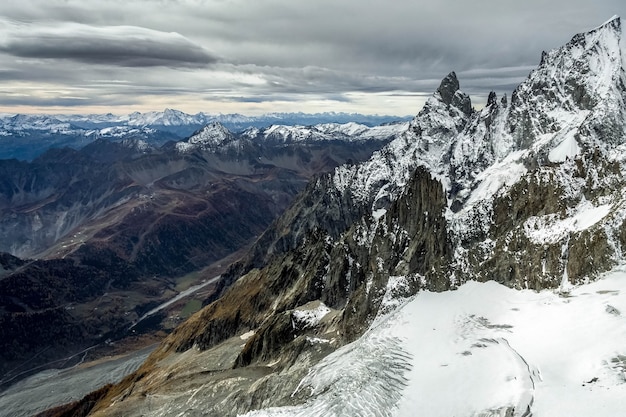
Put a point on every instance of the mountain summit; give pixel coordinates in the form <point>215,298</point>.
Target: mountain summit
<point>211,136</point>
<point>335,311</point>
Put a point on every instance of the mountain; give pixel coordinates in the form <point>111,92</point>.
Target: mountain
<point>324,132</point>
<point>473,267</point>
<point>25,137</point>
<point>99,237</point>
<point>47,198</point>
<point>211,136</point>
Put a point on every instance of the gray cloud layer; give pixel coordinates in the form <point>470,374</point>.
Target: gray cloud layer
<point>112,45</point>
<point>374,55</point>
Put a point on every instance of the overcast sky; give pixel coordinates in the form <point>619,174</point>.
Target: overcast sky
<point>258,56</point>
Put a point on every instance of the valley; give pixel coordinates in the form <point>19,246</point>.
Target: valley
<point>100,237</point>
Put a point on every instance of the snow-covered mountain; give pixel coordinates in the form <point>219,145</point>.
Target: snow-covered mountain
<point>175,118</point>
<point>168,117</point>
<point>344,306</point>
<point>540,160</point>
<point>325,132</point>
<point>23,122</point>
<point>215,136</point>
<point>27,136</point>
<point>211,136</point>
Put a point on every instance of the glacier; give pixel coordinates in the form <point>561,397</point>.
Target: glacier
<point>481,350</point>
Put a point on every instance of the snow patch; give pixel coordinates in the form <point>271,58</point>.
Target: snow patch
<point>377,214</point>
<point>567,149</point>
<point>247,335</point>
<point>310,317</point>
<point>317,340</point>
<point>502,174</point>
<point>551,229</point>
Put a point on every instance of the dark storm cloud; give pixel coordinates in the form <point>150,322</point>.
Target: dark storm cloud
<point>113,45</point>
<point>412,39</point>
<point>400,35</point>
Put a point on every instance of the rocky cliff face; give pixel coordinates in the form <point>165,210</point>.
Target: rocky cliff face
<point>529,193</point>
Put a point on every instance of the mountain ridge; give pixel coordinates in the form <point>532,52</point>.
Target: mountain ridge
<point>526,192</point>
<point>27,136</point>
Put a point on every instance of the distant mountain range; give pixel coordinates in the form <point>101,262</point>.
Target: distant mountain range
<point>25,136</point>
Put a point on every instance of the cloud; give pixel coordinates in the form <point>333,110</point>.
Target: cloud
<point>269,98</point>
<point>125,46</point>
<point>347,55</point>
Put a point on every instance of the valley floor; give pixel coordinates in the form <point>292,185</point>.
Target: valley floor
<point>59,386</point>
<point>108,362</point>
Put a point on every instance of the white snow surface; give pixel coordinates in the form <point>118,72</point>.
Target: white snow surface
<point>567,149</point>
<point>310,317</point>
<point>479,351</point>
<point>497,177</point>
<point>551,229</point>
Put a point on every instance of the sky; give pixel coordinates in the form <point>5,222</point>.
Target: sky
<point>259,56</point>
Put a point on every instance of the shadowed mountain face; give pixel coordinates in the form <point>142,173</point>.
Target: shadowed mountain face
<point>111,227</point>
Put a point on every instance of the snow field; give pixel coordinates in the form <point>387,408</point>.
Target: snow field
<point>481,350</point>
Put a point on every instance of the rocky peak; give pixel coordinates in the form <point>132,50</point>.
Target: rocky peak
<point>427,143</point>
<point>213,129</point>
<point>449,92</point>
<point>172,117</point>
<point>585,75</point>
<point>211,136</point>
<point>448,87</point>
<point>589,64</point>
<point>612,27</point>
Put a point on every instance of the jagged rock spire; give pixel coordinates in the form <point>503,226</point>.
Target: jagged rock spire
<point>504,101</point>
<point>449,92</point>
<point>448,87</point>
